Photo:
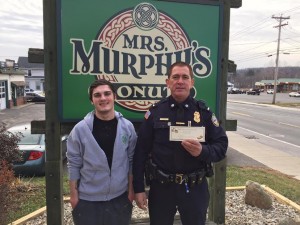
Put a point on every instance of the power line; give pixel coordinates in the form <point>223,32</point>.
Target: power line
<point>247,30</point>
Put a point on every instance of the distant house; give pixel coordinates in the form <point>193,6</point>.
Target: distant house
<point>12,84</point>
<point>283,84</point>
<point>34,74</point>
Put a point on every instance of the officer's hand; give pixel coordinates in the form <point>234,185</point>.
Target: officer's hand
<point>141,200</point>
<point>194,147</point>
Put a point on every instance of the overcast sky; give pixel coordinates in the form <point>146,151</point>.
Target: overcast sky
<point>253,38</point>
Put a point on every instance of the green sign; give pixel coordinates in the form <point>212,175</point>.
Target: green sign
<point>132,44</point>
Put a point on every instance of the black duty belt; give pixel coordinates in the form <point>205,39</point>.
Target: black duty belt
<point>190,179</point>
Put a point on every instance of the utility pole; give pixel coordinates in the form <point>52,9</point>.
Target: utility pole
<point>280,19</point>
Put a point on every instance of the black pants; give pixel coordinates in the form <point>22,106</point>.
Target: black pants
<point>166,199</point>
<point>114,212</point>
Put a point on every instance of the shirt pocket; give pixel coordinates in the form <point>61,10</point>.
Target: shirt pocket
<point>161,131</point>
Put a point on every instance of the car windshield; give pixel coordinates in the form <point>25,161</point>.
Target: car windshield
<point>31,139</point>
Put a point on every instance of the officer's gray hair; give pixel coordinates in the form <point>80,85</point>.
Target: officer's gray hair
<point>180,64</point>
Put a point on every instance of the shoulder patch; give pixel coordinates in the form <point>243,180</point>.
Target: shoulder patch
<point>214,120</point>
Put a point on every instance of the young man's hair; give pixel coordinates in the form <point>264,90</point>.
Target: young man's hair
<point>97,83</point>
<point>180,64</point>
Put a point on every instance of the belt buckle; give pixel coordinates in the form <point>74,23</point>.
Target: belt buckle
<point>179,178</point>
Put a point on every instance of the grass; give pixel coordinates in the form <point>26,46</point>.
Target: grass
<point>32,195</point>
<point>33,190</point>
<point>281,183</point>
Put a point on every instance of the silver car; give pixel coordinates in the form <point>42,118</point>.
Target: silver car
<point>33,150</point>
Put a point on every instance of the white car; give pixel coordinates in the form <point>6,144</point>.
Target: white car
<point>294,94</point>
<point>270,91</point>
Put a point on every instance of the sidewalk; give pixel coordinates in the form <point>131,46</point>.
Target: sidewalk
<point>270,157</point>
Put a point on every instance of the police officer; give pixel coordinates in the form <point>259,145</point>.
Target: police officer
<point>176,169</point>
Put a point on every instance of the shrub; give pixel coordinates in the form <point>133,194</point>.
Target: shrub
<point>9,153</point>
<point>9,150</point>
<point>7,191</point>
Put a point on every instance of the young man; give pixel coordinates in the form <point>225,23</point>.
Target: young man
<point>100,149</point>
<point>177,170</point>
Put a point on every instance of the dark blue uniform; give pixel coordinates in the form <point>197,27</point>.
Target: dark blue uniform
<point>165,198</point>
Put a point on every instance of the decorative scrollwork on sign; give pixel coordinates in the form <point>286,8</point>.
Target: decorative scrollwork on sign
<point>167,25</point>
<point>115,27</point>
<point>143,17</point>
<point>124,21</point>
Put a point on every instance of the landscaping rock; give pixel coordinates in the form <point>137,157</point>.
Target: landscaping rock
<point>257,196</point>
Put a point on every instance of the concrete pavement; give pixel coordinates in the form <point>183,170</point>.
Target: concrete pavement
<point>242,151</point>
<point>270,157</point>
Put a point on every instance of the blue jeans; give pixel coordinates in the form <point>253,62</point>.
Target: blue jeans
<point>117,211</point>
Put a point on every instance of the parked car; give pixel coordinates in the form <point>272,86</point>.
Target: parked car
<point>294,94</point>
<point>243,91</point>
<point>35,97</point>
<point>234,91</point>
<point>28,90</point>
<point>270,91</point>
<point>253,91</point>
<point>33,151</point>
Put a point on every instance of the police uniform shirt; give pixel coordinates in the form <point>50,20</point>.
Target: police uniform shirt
<point>170,156</point>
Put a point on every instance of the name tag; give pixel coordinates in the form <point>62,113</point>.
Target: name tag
<point>179,133</point>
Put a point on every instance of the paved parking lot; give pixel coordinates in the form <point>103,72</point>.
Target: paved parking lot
<point>22,114</point>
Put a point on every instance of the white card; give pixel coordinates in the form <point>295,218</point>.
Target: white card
<point>179,133</point>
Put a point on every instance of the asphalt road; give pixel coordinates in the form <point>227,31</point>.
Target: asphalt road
<point>276,127</point>
<point>263,98</point>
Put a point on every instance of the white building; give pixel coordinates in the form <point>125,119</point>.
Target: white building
<point>34,74</point>
<point>12,83</point>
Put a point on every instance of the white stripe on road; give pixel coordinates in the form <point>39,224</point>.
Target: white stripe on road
<point>241,114</point>
<point>284,142</point>
<point>289,125</point>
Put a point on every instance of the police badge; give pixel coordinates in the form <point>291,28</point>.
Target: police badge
<point>197,117</point>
